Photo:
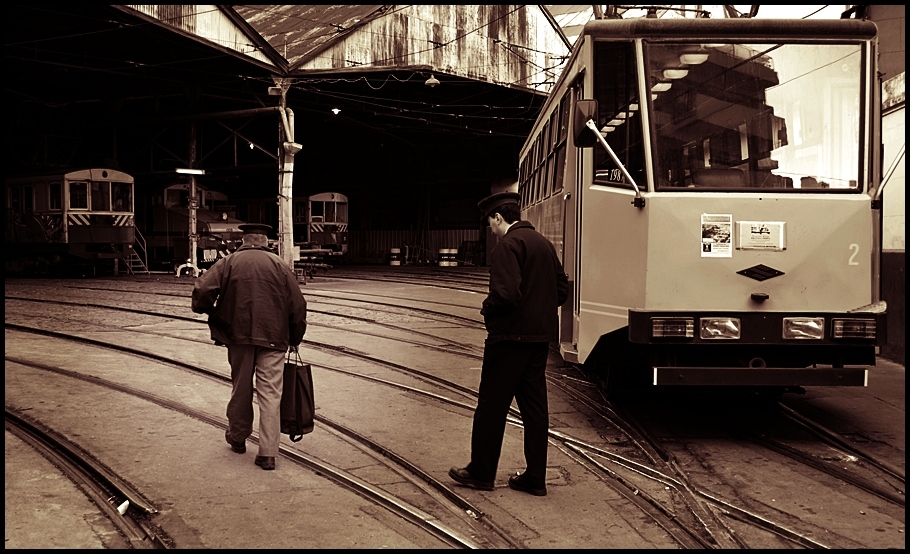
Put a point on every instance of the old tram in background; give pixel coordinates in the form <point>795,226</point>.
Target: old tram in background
<point>321,222</point>
<point>712,186</point>
<point>217,227</point>
<point>82,218</point>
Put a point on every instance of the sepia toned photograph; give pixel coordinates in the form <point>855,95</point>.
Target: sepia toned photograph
<point>454,277</point>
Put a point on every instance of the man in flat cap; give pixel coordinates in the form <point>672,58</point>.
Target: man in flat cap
<point>256,308</point>
<point>527,285</point>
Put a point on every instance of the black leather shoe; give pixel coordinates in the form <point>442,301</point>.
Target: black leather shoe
<point>521,483</point>
<point>238,447</point>
<point>265,462</point>
<point>462,476</point>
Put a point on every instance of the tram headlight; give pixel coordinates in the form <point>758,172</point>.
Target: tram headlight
<point>853,328</point>
<point>719,328</point>
<point>675,327</point>
<point>804,328</point>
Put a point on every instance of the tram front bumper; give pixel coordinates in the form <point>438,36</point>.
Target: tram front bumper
<point>767,376</point>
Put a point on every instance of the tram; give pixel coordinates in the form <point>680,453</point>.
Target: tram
<point>217,229</point>
<point>711,187</point>
<point>321,222</point>
<point>69,218</point>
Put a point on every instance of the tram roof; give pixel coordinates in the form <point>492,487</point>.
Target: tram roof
<point>743,28</point>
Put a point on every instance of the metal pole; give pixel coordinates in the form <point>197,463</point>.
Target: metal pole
<point>286,181</point>
<point>193,202</point>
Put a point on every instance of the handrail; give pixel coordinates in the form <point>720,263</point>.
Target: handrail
<point>139,241</point>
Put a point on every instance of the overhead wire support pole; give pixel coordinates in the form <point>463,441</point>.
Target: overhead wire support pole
<point>285,173</point>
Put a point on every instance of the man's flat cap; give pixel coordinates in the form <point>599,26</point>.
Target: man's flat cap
<point>255,228</point>
<point>490,203</point>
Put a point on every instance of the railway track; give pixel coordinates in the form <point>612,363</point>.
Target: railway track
<point>121,503</point>
<point>693,516</point>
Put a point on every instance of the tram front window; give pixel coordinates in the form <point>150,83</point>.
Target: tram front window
<point>742,116</point>
<point>122,197</point>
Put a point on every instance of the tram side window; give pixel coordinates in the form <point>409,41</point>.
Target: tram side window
<point>122,197</point>
<point>619,117</point>
<point>21,199</point>
<point>79,196</point>
<point>101,196</point>
<point>55,196</point>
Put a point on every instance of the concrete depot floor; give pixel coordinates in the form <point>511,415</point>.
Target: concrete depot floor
<point>44,509</point>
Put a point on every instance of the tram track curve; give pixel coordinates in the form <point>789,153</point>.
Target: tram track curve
<point>718,504</point>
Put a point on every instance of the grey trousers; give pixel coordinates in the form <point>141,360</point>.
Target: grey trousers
<point>268,366</point>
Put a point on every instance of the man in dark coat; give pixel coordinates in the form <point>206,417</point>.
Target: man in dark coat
<point>256,308</point>
<point>527,284</point>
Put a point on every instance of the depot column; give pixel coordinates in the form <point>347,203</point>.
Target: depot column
<point>286,177</point>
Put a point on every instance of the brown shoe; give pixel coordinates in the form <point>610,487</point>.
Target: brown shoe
<point>238,447</point>
<point>265,462</point>
<point>462,476</point>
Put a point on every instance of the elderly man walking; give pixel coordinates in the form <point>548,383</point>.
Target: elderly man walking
<point>256,308</point>
<point>527,284</point>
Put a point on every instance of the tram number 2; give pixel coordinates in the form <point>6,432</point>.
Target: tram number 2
<point>855,248</point>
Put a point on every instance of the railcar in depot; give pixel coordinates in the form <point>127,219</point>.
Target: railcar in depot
<point>217,227</point>
<point>321,223</point>
<point>712,187</point>
<point>81,218</point>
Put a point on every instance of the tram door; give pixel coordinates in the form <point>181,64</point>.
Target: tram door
<point>610,266</point>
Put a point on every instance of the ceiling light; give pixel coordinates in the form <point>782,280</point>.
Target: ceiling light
<point>675,73</point>
<point>335,111</point>
<point>693,58</point>
<point>661,87</point>
<point>432,81</point>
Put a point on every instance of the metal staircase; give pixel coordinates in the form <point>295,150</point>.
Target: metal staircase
<point>137,260</point>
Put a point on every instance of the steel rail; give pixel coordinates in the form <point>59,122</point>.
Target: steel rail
<point>451,349</point>
<point>408,512</point>
<point>688,538</point>
<point>834,438</point>
<point>831,469</point>
<point>92,478</point>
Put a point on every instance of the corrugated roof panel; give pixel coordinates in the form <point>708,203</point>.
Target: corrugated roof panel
<point>511,45</point>
<point>207,23</point>
<point>295,31</point>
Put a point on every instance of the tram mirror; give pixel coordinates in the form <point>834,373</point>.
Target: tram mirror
<point>584,110</point>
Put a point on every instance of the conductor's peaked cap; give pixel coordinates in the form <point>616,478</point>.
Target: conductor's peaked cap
<point>490,203</point>
<point>258,228</point>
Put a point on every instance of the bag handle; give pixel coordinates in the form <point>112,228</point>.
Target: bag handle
<point>297,353</point>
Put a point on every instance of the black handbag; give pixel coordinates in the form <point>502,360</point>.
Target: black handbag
<point>297,405</point>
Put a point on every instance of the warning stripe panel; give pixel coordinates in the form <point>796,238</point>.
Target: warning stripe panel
<point>121,220</point>
<point>320,227</point>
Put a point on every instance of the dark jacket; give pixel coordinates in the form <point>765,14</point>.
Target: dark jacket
<point>252,297</point>
<point>527,284</point>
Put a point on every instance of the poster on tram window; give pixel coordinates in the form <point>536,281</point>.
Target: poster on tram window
<point>716,235</point>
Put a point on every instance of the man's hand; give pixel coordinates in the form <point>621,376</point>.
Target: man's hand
<point>292,348</point>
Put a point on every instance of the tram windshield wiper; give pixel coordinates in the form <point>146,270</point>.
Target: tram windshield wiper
<point>638,202</point>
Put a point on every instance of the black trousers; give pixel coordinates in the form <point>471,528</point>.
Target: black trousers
<point>510,370</point>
